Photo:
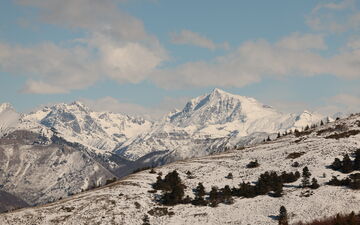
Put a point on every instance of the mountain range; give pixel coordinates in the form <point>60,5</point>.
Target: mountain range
<point>66,148</point>
<point>133,200</point>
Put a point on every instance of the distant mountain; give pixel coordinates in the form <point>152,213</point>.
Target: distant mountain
<point>65,148</point>
<point>213,122</point>
<point>101,131</point>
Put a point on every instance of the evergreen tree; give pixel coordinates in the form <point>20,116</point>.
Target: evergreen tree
<point>173,188</point>
<point>173,197</point>
<point>189,175</point>
<point>314,184</point>
<point>334,181</point>
<point>214,197</point>
<point>226,195</point>
<point>321,123</point>
<point>199,193</point>
<point>355,181</point>
<point>337,164</point>
<point>283,216</point>
<point>246,190</point>
<point>278,189</point>
<point>296,133</point>
<point>347,165</point>
<point>306,177</point>
<point>268,138</point>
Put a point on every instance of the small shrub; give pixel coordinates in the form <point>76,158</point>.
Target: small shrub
<point>229,176</point>
<point>295,155</point>
<point>137,205</point>
<point>253,164</point>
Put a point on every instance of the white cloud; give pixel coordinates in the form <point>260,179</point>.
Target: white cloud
<point>39,87</point>
<point>187,37</point>
<point>90,15</point>
<point>340,5</point>
<point>254,60</point>
<point>297,41</point>
<point>116,47</point>
<point>345,103</point>
<point>153,113</point>
<point>334,16</point>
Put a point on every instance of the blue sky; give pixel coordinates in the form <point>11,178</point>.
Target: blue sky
<point>150,56</point>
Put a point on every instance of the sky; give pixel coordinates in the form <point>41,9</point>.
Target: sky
<point>150,56</point>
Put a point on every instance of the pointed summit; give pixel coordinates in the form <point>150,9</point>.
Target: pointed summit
<point>219,91</point>
<point>219,107</point>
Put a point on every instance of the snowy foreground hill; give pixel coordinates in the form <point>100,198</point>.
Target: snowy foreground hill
<point>128,200</point>
<point>63,149</point>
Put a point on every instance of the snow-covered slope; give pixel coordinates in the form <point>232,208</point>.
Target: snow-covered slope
<point>128,201</point>
<point>40,170</point>
<point>8,118</point>
<point>213,120</point>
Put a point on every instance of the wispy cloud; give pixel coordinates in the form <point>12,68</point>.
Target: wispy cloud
<point>334,17</point>
<point>256,60</point>
<point>187,37</point>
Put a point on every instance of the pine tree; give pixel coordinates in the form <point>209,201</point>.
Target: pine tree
<point>321,123</point>
<point>226,195</point>
<point>337,164</point>
<point>268,138</point>
<point>306,177</point>
<point>199,193</point>
<point>314,184</point>
<point>172,187</point>
<point>347,165</point>
<point>214,197</point>
<point>278,189</point>
<point>283,216</point>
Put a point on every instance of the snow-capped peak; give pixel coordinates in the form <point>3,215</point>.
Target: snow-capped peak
<point>219,107</point>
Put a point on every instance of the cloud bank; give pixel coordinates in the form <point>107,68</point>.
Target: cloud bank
<point>187,37</point>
